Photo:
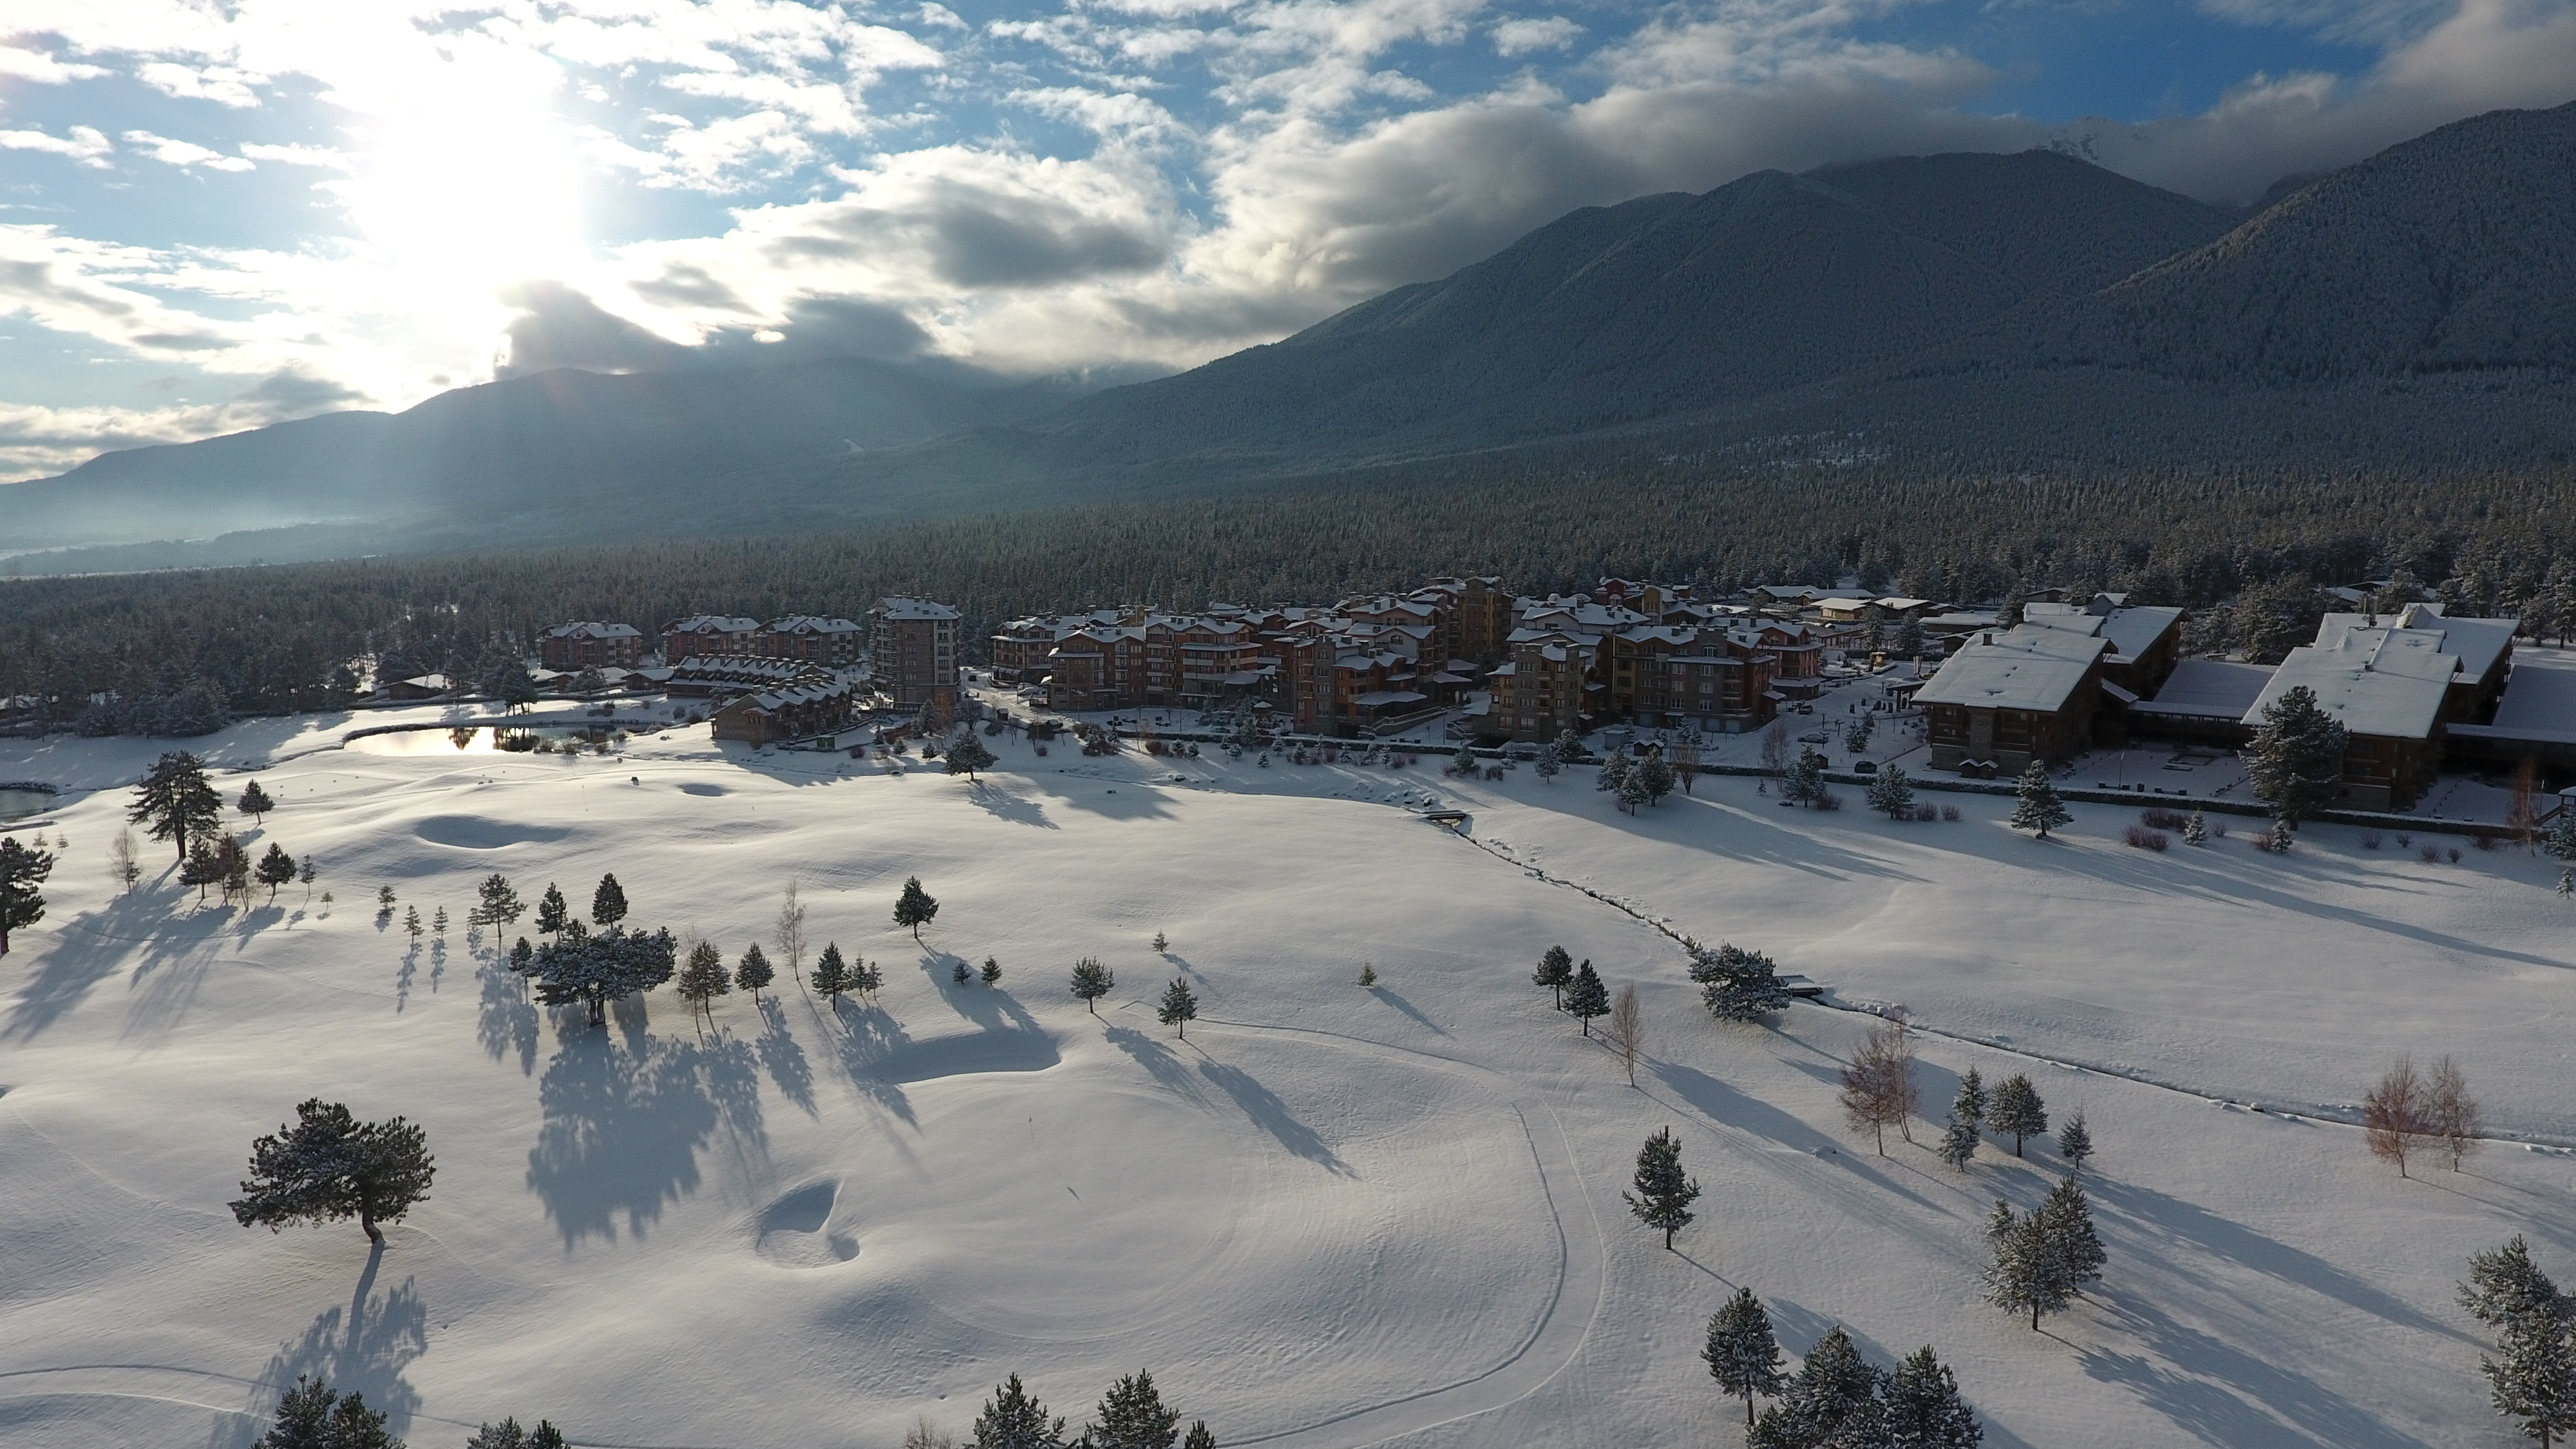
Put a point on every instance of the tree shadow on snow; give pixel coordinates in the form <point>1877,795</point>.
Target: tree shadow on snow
<point>989,1007</point>
<point>1723,1104</point>
<point>1408,1008</point>
<point>1158,1060</point>
<point>1272,1116</point>
<point>1001,804</point>
<point>2226,1396</point>
<point>363,1348</point>
<point>622,1128</point>
<point>505,1020</point>
<point>783,1058</point>
<point>1755,839</point>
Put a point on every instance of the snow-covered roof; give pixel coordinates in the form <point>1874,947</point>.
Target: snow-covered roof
<point>2385,682</point>
<point>897,606</point>
<point>2541,693</point>
<point>810,624</point>
<point>2131,631</point>
<point>711,624</point>
<point>2209,689</point>
<point>592,630</point>
<point>1376,697</point>
<point>2029,667</point>
<point>2477,642</point>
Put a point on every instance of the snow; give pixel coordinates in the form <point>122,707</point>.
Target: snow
<point>1331,1217</point>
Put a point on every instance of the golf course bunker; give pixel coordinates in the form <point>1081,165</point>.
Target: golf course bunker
<point>790,1231</point>
<point>965,1054</point>
<point>476,832</point>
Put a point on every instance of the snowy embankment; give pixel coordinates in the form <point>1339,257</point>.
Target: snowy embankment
<point>1332,1216</point>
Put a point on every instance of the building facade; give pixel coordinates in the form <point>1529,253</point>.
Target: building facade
<point>569,648</point>
<point>912,652</point>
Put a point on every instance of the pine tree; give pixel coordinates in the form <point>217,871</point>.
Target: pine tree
<point>1655,777</point>
<point>2064,1222</point>
<point>1161,943</point>
<point>553,912</point>
<point>1736,984</point>
<point>753,972</point>
<point>2017,1110</point>
<point>274,869</point>
<point>702,979</point>
<point>23,869</point>
<point>1663,1196</point>
<point>1180,1007</point>
<point>2558,838</point>
<point>915,907</point>
<point>1092,981</point>
<point>411,922</point>
<point>968,755</point>
<point>523,958</point>
<point>1199,1437</point>
<point>2027,1271</point>
<point>831,973</point>
<point>1586,996</point>
<point>2074,1142</point>
<point>1805,783</point>
<point>1132,1416</point>
<point>508,1435</point>
<point>1958,1142</point>
<point>1969,1105</point>
<point>2567,878</point>
<point>595,970</point>
<point>1614,772</point>
<point>201,870</point>
<point>254,802</point>
<point>1549,763</point>
<point>1923,1407</point>
<point>1013,1420</point>
<point>1555,969</point>
<point>497,904</point>
<point>1742,1355</point>
<point>232,868</point>
<point>2296,759</point>
<point>178,804</point>
<point>438,921</point>
<point>1633,792</point>
<point>311,1416</point>
<point>608,903</point>
<point>2532,1378</point>
<point>1890,792</point>
<point>992,972</point>
<point>2195,831</point>
<point>329,1165</point>
<point>2504,1283</point>
<point>2038,807</point>
<point>305,872</point>
<point>1831,1402</point>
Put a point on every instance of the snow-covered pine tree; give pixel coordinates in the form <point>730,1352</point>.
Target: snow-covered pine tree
<point>1923,1408</point>
<point>2296,758</point>
<point>1613,774</point>
<point>1555,970</point>
<point>2064,1222</point>
<point>596,970</point>
<point>496,903</point>
<point>1092,981</point>
<point>2558,837</point>
<point>1549,764</point>
<point>310,1416</point>
<point>1742,1354</point>
<point>274,869</point>
<point>2074,1142</point>
<point>1664,1195</point>
<point>1890,792</point>
<point>328,1165</point>
<point>1969,1105</point>
<point>608,903</point>
<point>1832,1401</point>
<point>2531,1379</point>
<point>1132,1416</point>
<point>831,973</point>
<point>1736,984</point>
<point>2036,806</point>
<point>1633,794</point>
<point>2018,1110</point>
<point>523,958</point>
<point>2195,831</point>
<point>1805,783</point>
<point>1655,777</point>
<point>23,869</point>
<point>1199,1437</point>
<point>176,802</point>
<point>1586,996</point>
<point>1180,1006</point>
<point>508,1435</point>
<point>1958,1142</point>
<point>2504,1282</point>
<point>254,802</point>
<point>914,908</point>
<point>2567,880</point>
<point>968,755</point>
<point>992,972</point>
<point>1013,1420</point>
<point>2027,1271</point>
<point>553,911</point>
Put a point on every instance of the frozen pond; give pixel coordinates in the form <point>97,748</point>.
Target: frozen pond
<point>484,740</point>
<point>18,804</point>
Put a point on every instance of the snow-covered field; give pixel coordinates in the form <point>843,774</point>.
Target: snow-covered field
<point>1332,1216</point>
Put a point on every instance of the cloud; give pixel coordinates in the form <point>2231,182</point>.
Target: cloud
<point>558,326</point>
<point>1523,37</point>
<point>42,68</point>
<point>184,153</point>
<point>84,145</point>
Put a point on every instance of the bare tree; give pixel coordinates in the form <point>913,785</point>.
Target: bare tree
<point>790,931</point>
<point>1775,749</point>
<point>2397,1114</point>
<point>2455,1112</point>
<point>122,861</point>
<point>925,1435</point>
<point>1878,1085</point>
<point>1624,1030</point>
<point>1683,755</point>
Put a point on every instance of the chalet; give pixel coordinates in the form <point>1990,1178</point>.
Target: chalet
<point>423,686</point>
<point>2146,641</point>
<point>2004,699</point>
<point>817,704</point>
<point>833,643</point>
<point>708,634</point>
<point>722,676</point>
<point>2389,687</point>
<point>573,647</point>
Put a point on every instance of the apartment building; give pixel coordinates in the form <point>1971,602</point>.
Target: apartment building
<point>912,652</point>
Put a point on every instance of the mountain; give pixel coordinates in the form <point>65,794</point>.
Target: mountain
<point>548,441</point>
<point>1661,306</point>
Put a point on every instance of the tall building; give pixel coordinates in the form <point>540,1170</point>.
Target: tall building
<point>912,652</point>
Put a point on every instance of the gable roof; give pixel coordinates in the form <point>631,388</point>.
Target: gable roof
<point>2031,667</point>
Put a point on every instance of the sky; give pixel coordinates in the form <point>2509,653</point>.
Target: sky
<point>214,216</point>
